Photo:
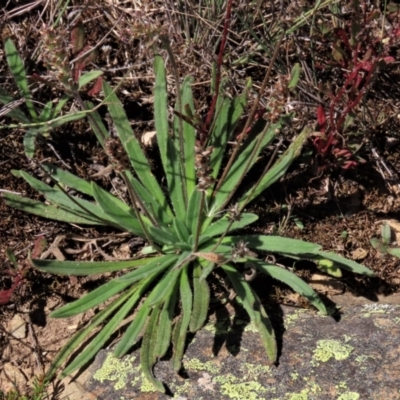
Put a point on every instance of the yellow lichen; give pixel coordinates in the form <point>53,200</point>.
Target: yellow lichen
<point>327,349</point>
<point>115,369</point>
<point>303,395</point>
<point>246,390</point>
<point>197,365</point>
<point>146,386</point>
<point>255,370</point>
<point>349,396</point>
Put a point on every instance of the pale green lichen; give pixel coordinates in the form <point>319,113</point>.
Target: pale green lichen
<point>303,395</point>
<point>349,396</point>
<point>182,389</point>
<point>396,320</point>
<point>294,375</point>
<point>327,349</point>
<point>246,390</point>
<point>341,385</point>
<point>197,365</point>
<point>115,369</point>
<point>146,386</point>
<point>255,370</point>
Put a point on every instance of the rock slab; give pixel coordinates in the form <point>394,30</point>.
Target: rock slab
<point>357,357</point>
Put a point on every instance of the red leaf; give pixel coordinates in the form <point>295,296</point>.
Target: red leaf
<point>321,118</point>
<point>96,87</point>
<point>5,296</point>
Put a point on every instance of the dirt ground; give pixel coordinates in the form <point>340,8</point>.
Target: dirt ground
<point>341,210</point>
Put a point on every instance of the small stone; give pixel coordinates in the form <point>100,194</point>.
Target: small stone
<point>17,327</point>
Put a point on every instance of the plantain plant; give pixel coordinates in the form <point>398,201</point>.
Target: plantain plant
<point>188,222</point>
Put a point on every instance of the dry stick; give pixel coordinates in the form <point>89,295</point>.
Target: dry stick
<point>247,125</point>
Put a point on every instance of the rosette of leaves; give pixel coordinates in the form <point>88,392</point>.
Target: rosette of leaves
<point>189,225</point>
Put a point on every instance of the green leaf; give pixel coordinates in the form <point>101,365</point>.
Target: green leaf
<point>329,267</point>
<point>132,146</point>
<point>46,211</point>
<point>279,168</point>
<point>147,357</point>
<point>105,333</point>
<point>67,179</point>
<point>201,300</point>
<point>345,263</point>
<point>163,288</point>
<point>163,339</point>
<point>294,76</point>
<point>96,124</point>
<point>181,326</point>
<point>292,280</point>
<point>242,164</point>
<point>82,268</point>
<point>181,230</point>
<point>18,71</point>
<point>169,148</point>
<point>29,142</point>
<point>88,77</point>
<point>189,134</point>
<point>46,112</point>
<point>193,212</point>
<point>254,308</point>
<point>15,113</point>
<point>386,234</point>
<point>61,103</point>
<point>92,299</point>
<point>394,252</point>
<point>80,336</point>
<point>157,265</point>
<point>164,236</point>
<point>220,226</point>
<point>275,244</point>
<point>117,210</point>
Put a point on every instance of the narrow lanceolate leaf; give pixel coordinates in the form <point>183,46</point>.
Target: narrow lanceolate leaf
<point>275,244</point>
<point>201,300</point>
<point>158,265</point>
<point>220,226</point>
<point>18,71</point>
<point>189,135</point>
<point>29,142</point>
<point>225,124</point>
<point>280,167</point>
<point>181,230</point>
<point>73,204</point>
<point>132,146</point>
<point>164,288</point>
<point>292,280</point>
<point>80,336</point>
<point>147,356</point>
<point>169,147</point>
<point>182,325</point>
<point>193,213</point>
<point>68,180</point>
<point>46,112</point>
<point>92,299</point>
<point>164,236</point>
<point>163,339</point>
<point>117,210</point>
<point>294,76</point>
<point>255,309</point>
<point>82,268</point>
<point>241,166</point>
<point>10,107</point>
<point>105,333</point>
<point>88,77</point>
<point>96,124</point>
<point>345,263</point>
<point>46,211</point>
